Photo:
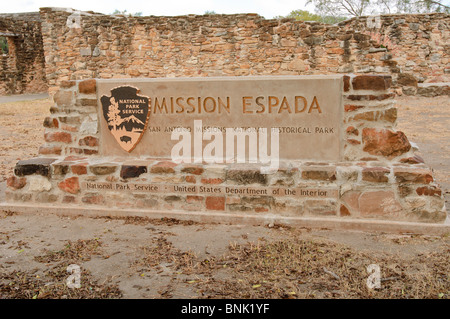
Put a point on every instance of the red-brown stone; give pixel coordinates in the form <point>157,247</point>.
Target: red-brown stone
<point>70,185</point>
<point>215,203</point>
<point>346,83</point>
<point>196,170</point>
<point>344,211</point>
<point>379,203</point>
<point>190,179</point>
<point>16,183</point>
<point>385,142</point>
<point>193,199</point>
<point>375,174</point>
<point>372,82</point>
<point>88,141</point>
<point>212,180</point>
<point>47,150</point>
<point>88,86</point>
<point>63,137</point>
<point>79,169</point>
<point>429,191</point>
<point>352,107</point>
<point>410,175</point>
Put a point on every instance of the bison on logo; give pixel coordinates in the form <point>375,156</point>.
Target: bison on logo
<point>126,114</point>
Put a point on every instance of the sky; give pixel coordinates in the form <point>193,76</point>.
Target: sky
<point>265,8</point>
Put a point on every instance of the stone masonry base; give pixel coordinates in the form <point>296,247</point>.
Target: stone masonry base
<point>360,191</point>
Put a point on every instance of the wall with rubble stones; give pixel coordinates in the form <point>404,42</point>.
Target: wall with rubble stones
<point>80,45</point>
<point>22,70</point>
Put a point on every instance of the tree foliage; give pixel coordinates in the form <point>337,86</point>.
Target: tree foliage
<point>126,13</point>
<point>303,15</point>
<point>3,45</point>
<point>356,8</point>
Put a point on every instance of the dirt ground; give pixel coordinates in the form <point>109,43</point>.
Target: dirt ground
<point>144,258</point>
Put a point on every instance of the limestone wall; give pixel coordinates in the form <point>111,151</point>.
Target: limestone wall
<point>23,69</point>
<point>80,45</point>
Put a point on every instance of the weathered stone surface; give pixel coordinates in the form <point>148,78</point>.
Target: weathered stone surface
<point>62,137</point>
<point>192,169</point>
<point>60,168</point>
<point>93,198</point>
<point>215,203</point>
<point>322,173</point>
<point>416,159</point>
<point>165,167</point>
<point>371,82</point>
<point>429,191</point>
<point>16,183</point>
<point>405,79</point>
<point>375,174</point>
<point>379,203</point>
<point>50,122</point>
<point>70,185</point>
<point>88,86</point>
<point>344,211</point>
<point>39,166</point>
<point>103,169</point>
<point>213,181</point>
<point>46,197</point>
<point>132,171</point>
<point>246,176</point>
<point>50,150</point>
<point>88,141</point>
<point>63,98</point>
<point>384,142</point>
<point>37,183</point>
<point>411,175</point>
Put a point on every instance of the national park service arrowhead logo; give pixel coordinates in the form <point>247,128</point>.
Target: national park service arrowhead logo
<point>126,114</point>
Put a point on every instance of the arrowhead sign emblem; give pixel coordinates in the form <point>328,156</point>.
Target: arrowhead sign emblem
<point>126,114</point>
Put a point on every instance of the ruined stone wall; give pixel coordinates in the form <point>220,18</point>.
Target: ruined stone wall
<point>23,69</point>
<point>79,45</point>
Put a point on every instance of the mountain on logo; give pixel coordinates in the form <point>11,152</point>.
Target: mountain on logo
<point>132,123</point>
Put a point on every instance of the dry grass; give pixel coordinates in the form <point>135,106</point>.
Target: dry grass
<point>297,268</point>
<point>51,283</point>
<point>21,132</point>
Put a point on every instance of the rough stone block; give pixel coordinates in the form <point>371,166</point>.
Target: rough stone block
<point>411,175</point>
<point>132,171</point>
<point>385,142</point>
<point>246,176</point>
<point>70,185</point>
<point>88,86</point>
<point>62,137</point>
<point>32,166</point>
<point>103,169</point>
<point>165,167</point>
<point>371,82</point>
<point>16,183</point>
<point>375,174</point>
<point>215,203</point>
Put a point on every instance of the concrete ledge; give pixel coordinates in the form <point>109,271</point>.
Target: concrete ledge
<point>380,226</point>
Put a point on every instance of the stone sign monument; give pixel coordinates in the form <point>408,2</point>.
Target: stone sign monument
<point>281,148</point>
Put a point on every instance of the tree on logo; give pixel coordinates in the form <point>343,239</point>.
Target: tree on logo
<point>114,120</point>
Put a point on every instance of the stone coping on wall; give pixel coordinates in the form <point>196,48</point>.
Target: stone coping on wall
<point>378,176</point>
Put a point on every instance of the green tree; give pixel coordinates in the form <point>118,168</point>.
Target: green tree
<point>4,45</point>
<point>210,12</point>
<point>126,13</point>
<point>357,8</point>
<point>303,15</point>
